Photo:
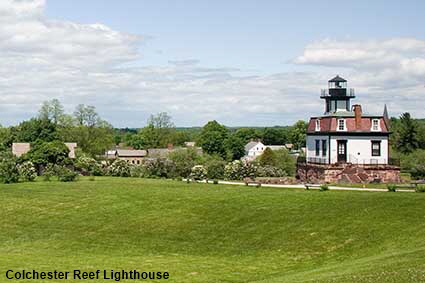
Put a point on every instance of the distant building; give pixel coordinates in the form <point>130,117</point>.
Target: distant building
<point>132,156</point>
<point>71,146</point>
<point>254,149</point>
<point>21,148</point>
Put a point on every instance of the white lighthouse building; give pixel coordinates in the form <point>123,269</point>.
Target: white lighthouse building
<point>344,134</point>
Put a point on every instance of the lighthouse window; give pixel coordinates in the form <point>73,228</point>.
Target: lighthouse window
<point>341,125</point>
<point>324,148</point>
<point>317,147</point>
<point>376,148</point>
<point>375,125</point>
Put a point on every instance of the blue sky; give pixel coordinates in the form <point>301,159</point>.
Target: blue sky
<point>253,63</point>
<point>257,36</point>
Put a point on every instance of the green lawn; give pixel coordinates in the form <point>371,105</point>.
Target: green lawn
<point>212,233</point>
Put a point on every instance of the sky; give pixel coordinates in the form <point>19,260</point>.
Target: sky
<point>242,63</point>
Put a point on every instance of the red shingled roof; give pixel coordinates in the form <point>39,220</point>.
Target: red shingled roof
<point>329,124</point>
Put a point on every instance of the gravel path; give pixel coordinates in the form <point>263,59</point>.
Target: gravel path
<point>333,188</point>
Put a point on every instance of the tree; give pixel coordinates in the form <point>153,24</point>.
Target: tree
<point>52,110</point>
<point>408,134</point>
<point>275,136</point>
<point>87,116</point>
<point>35,131</point>
<point>212,138</point>
<point>93,141</point>
<point>184,160</point>
<point>285,161</point>
<point>48,152</point>
<point>298,134</point>
<point>247,134</point>
<point>268,158</point>
<point>234,147</point>
<point>158,132</point>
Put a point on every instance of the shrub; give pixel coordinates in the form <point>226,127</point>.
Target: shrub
<point>324,188</point>
<point>199,172</point>
<point>268,158</point>
<point>391,188</point>
<point>215,168</point>
<point>215,182</point>
<point>238,170</point>
<point>119,168</point>
<point>420,189</point>
<point>270,171</point>
<point>414,163</point>
<point>285,162</point>
<point>8,168</point>
<point>184,160</point>
<point>88,166</point>
<point>158,167</point>
<point>27,171</point>
<point>137,171</point>
<point>49,171</point>
<point>65,174</point>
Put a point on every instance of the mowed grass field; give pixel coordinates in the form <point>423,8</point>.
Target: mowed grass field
<point>212,233</point>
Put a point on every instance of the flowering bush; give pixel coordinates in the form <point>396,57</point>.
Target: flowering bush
<point>27,171</point>
<point>8,168</point>
<point>238,170</point>
<point>137,171</point>
<point>270,171</point>
<point>198,172</point>
<point>119,168</point>
<point>157,167</point>
<point>215,169</point>
<point>88,166</point>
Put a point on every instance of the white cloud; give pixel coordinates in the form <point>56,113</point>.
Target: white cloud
<point>42,59</point>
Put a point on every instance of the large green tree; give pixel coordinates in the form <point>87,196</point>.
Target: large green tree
<point>52,110</point>
<point>157,134</point>
<point>48,152</point>
<point>268,158</point>
<point>298,134</point>
<point>212,138</point>
<point>35,131</point>
<point>407,140</point>
<point>235,147</point>
<point>247,134</point>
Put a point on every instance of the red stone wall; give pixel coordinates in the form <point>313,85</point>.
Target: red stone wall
<point>348,173</point>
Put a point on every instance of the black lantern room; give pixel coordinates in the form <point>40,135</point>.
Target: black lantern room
<point>337,96</point>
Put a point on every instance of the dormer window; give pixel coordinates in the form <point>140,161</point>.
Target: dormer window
<point>341,125</point>
<point>317,125</point>
<point>375,124</point>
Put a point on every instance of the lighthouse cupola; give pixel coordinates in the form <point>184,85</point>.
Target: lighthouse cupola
<point>337,96</point>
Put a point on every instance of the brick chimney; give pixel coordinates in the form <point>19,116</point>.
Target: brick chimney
<point>170,146</point>
<point>358,116</point>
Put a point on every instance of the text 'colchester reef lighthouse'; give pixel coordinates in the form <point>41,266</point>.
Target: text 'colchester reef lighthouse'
<point>345,145</point>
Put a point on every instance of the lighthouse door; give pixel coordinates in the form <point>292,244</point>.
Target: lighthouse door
<point>342,151</point>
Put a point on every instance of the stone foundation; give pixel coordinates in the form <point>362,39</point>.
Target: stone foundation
<point>348,173</point>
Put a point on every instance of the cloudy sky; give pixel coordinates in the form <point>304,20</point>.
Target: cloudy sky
<point>251,63</point>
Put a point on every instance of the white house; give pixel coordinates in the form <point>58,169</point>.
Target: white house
<point>344,134</point>
<point>254,149</point>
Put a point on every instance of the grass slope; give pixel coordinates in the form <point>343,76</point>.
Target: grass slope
<point>212,233</point>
